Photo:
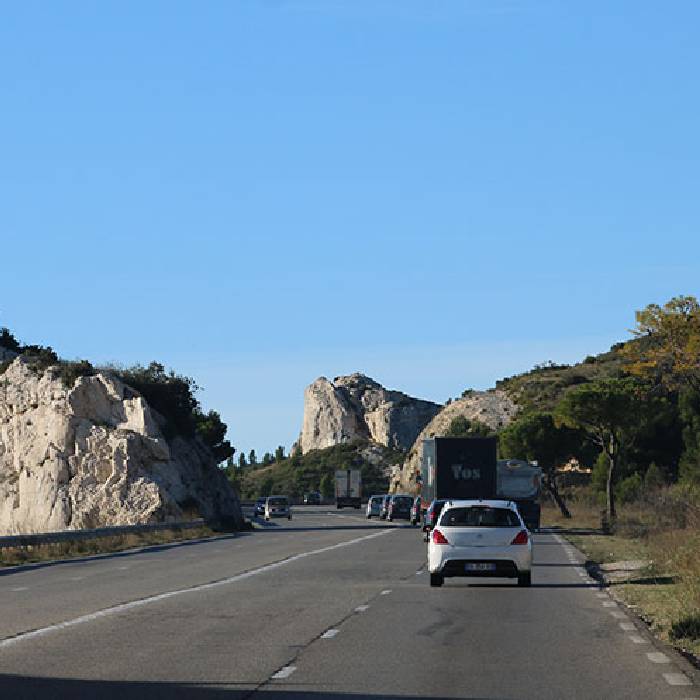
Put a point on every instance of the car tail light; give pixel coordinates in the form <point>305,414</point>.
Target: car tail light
<point>439,538</point>
<point>520,538</point>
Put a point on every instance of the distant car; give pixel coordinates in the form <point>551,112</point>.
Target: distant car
<point>384,508</point>
<point>416,511</point>
<point>259,507</point>
<point>480,538</point>
<point>399,507</point>
<point>432,515</point>
<point>277,507</point>
<point>312,499</point>
<point>374,506</point>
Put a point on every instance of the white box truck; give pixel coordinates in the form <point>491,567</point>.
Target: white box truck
<point>348,488</point>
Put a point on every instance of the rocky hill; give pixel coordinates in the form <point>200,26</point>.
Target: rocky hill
<point>91,452</point>
<point>356,407</point>
<point>492,408</point>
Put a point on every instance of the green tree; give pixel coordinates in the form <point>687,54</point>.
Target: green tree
<point>461,426</point>
<point>267,459</point>
<point>327,485</point>
<point>689,407</point>
<point>279,454</point>
<point>242,463</point>
<point>212,430</point>
<point>252,459</point>
<point>667,346</point>
<point>610,411</point>
<point>8,341</point>
<point>536,437</point>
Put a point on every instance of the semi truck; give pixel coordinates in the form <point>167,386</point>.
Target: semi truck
<point>468,468</point>
<point>348,488</point>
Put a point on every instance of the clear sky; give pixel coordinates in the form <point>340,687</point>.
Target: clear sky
<point>256,193</point>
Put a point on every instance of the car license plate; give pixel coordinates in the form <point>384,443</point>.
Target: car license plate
<point>480,566</point>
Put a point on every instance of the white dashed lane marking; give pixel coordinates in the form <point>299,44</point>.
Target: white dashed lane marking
<point>361,608</point>
<point>284,672</point>
<point>658,657</point>
<point>637,639</point>
<point>386,592</point>
<point>677,679</point>
<point>329,634</point>
<point>618,615</point>
<point>627,626</point>
<point>601,595</point>
<point>124,607</point>
<point>17,589</point>
<point>609,604</point>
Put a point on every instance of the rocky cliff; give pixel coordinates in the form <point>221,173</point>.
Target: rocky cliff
<point>356,407</point>
<point>493,408</point>
<point>94,454</point>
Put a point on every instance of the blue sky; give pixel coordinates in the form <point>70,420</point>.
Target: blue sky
<point>438,194</point>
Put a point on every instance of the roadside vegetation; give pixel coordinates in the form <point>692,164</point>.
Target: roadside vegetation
<point>13,556</point>
<point>651,560</point>
<point>314,471</point>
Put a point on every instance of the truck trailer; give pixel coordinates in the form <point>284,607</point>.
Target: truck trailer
<point>467,468</point>
<point>348,488</point>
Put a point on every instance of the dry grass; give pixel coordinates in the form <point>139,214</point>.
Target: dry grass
<point>664,529</point>
<point>13,556</point>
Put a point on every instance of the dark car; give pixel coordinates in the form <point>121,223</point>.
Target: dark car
<point>417,511</point>
<point>259,507</point>
<point>384,508</point>
<point>312,499</point>
<point>399,507</point>
<point>432,515</point>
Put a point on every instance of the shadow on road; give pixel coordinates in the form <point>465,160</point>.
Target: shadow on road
<point>31,688</point>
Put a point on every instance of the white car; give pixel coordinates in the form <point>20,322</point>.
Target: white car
<point>374,506</point>
<point>482,539</point>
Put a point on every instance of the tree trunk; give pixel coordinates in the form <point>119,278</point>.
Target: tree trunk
<point>610,486</point>
<point>550,483</point>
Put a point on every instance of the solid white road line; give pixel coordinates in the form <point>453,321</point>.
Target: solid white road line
<point>329,634</point>
<point>658,657</point>
<point>677,679</point>
<point>123,607</point>
<point>284,672</point>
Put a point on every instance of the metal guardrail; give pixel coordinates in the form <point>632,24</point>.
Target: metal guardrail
<point>7,541</point>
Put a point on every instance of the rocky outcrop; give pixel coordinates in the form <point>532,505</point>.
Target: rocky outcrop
<point>493,408</point>
<point>93,454</point>
<point>356,407</point>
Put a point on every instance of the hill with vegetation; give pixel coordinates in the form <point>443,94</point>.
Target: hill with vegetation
<point>314,471</point>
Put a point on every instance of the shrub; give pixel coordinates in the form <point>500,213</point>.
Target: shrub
<point>629,489</point>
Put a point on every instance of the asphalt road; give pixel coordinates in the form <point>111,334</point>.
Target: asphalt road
<point>327,606</point>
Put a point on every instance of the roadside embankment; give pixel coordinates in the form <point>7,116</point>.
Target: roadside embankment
<point>14,556</point>
<point>651,561</point>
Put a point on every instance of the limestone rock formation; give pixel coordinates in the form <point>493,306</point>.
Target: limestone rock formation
<point>493,408</point>
<point>357,407</point>
<point>93,455</point>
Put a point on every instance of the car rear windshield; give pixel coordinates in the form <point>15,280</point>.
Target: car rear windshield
<point>480,516</point>
<point>405,501</point>
<point>277,501</point>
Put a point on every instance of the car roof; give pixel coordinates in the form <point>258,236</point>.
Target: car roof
<point>492,503</point>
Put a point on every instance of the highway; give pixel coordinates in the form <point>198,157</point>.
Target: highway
<point>327,606</point>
